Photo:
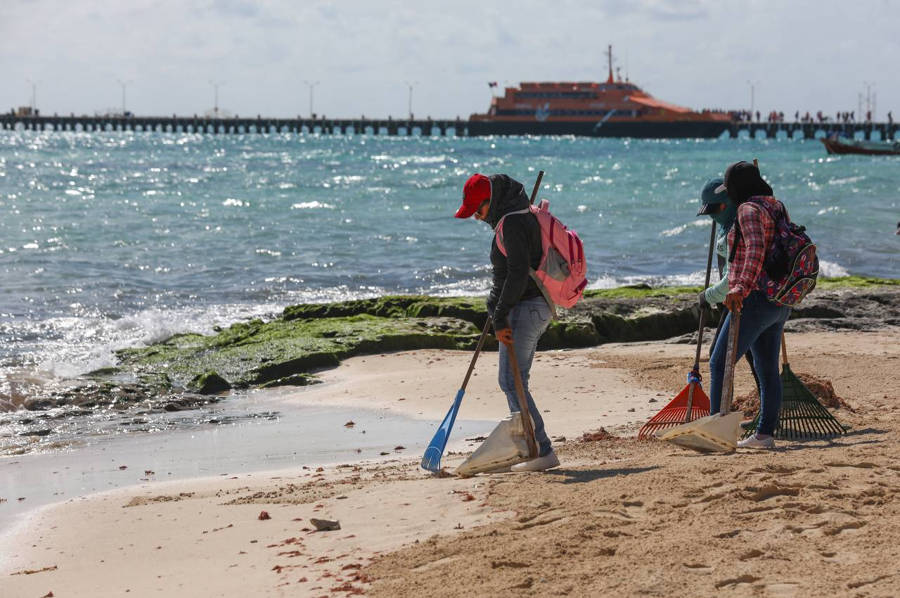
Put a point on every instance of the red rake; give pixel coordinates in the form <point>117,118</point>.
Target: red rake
<point>691,402</point>
<point>682,409</point>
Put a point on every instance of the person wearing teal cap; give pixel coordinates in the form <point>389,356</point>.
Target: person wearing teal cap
<point>715,203</point>
<point>718,206</point>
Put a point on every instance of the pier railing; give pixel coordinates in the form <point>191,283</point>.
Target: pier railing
<point>206,125</point>
<point>388,126</point>
<point>811,130</point>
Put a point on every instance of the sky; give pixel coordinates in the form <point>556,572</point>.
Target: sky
<point>363,55</point>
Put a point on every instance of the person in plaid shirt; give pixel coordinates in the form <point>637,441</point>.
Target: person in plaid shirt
<point>762,321</point>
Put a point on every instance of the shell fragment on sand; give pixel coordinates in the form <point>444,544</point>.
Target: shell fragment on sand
<point>713,433</point>
<point>325,525</point>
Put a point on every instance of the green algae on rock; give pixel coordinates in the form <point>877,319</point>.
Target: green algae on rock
<point>209,383</point>
<point>855,282</point>
<point>470,309</point>
<point>256,352</point>
<point>289,349</point>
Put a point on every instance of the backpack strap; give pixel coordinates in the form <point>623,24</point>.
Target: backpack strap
<point>499,228</point>
<point>737,226</point>
<point>498,232</point>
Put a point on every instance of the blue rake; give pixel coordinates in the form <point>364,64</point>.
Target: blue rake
<point>431,460</point>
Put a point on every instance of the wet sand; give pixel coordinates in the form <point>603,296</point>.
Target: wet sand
<point>634,518</point>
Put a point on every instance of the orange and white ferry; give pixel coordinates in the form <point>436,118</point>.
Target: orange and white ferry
<point>616,108</point>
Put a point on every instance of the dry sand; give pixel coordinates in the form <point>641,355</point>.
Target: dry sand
<point>619,516</point>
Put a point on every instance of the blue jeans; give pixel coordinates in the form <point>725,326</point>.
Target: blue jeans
<point>528,320</point>
<point>762,323</point>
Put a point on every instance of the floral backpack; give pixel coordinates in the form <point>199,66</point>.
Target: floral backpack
<point>791,265</point>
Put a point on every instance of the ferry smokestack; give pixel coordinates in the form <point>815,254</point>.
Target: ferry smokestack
<point>609,55</point>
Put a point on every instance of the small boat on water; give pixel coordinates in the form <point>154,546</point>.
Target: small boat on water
<point>843,145</point>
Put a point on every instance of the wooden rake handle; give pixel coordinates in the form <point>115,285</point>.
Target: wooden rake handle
<point>730,359</point>
<point>523,401</point>
<point>690,401</point>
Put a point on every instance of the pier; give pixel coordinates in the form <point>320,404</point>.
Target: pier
<point>235,125</point>
<point>809,130</point>
<point>430,127</point>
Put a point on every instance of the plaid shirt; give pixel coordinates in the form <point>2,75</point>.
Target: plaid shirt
<point>757,230</point>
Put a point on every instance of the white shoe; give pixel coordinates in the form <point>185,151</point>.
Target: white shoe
<point>540,464</point>
<point>755,442</point>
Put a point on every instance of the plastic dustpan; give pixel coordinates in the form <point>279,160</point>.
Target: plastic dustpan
<point>713,433</point>
<point>505,446</point>
<point>718,432</point>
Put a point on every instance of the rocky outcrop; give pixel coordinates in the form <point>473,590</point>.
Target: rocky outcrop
<point>189,370</point>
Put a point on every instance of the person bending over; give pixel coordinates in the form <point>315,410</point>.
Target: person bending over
<point>515,303</point>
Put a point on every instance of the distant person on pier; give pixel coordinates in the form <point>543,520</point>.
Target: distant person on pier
<point>890,118</point>
<point>515,303</point>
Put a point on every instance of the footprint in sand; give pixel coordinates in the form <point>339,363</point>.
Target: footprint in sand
<point>841,558</point>
<point>860,465</point>
<point>834,530</point>
<point>751,554</point>
<point>786,589</point>
<point>697,567</point>
<point>768,491</point>
<point>634,508</point>
<point>736,581</point>
<point>774,468</point>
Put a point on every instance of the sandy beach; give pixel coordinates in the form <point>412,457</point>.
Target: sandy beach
<point>634,518</point>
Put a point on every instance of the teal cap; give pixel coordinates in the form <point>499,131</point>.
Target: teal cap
<point>711,195</point>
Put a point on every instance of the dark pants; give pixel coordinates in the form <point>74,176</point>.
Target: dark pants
<point>762,323</point>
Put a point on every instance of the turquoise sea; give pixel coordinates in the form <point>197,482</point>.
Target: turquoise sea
<point>110,240</point>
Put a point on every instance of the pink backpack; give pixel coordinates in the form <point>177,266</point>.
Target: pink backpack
<point>561,273</point>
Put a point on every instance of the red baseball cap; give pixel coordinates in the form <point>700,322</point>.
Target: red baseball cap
<point>476,190</point>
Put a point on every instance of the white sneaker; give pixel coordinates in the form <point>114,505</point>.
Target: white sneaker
<point>548,461</point>
<point>755,442</point>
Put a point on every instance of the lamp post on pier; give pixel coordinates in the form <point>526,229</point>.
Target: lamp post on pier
<point>870,108</point>
<point>124,85</point>
<point>752,85</point>
<point>410,85</point>
<point>215,85</point>
<point>312,88</point>
<point>33,95</point>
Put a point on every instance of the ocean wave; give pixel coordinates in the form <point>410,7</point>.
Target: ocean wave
<point>847,180</point>
<point>831,210</point>
<point>831,269</point>
<point>74,345</point>
<point>680,229</point>
<point>311,205</point>
<point>652,280</point>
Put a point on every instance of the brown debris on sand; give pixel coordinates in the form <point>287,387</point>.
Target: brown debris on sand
<point>33,571</point>
<point>821,388</point>
<point>596,436</point>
